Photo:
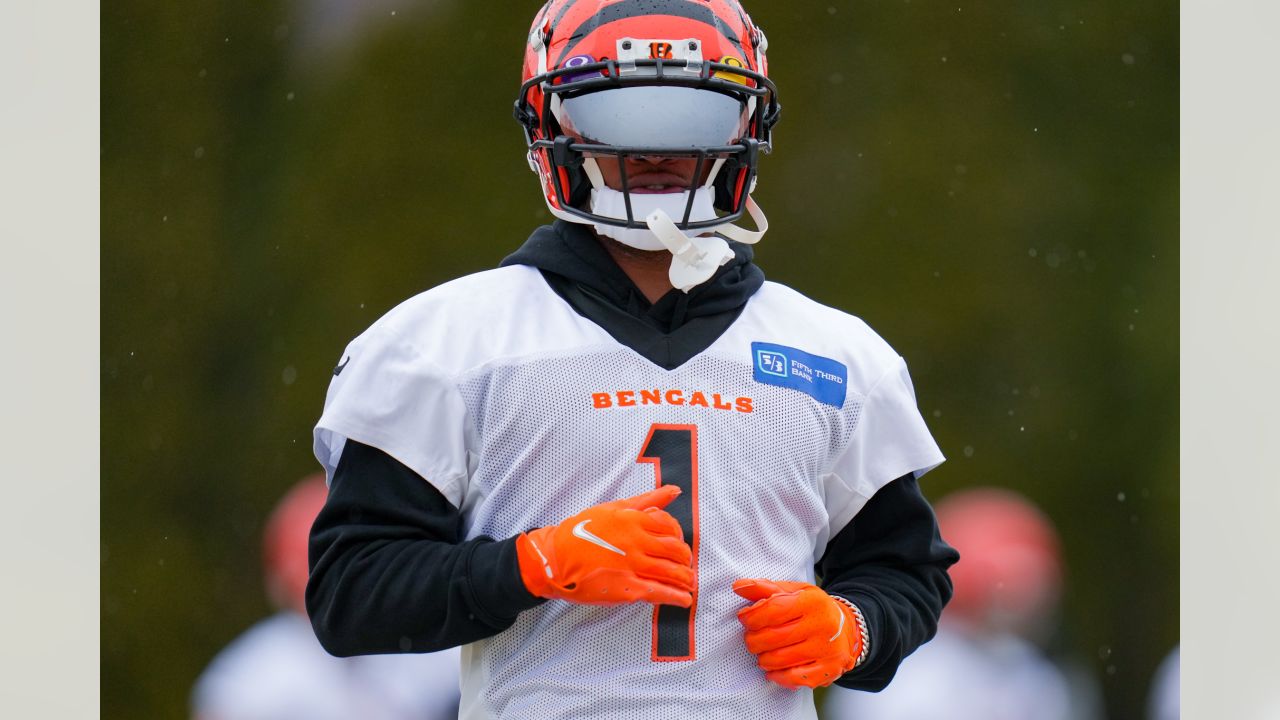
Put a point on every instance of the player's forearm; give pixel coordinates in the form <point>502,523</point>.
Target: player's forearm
<point>405,596</point>
<point>388,572</point>
<point>892,563</point>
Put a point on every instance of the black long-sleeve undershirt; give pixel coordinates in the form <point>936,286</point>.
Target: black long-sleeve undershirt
<point>390,574</point>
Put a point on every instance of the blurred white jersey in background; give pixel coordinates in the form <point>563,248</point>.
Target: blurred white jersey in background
<point>278,671</point>
<point>964,678</point>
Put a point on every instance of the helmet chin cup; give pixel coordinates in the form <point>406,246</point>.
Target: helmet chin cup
<point>616,205</point>
<point>693,259</point>
<point>638,238</point>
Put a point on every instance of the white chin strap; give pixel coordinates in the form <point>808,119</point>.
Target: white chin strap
<point>694,258</point>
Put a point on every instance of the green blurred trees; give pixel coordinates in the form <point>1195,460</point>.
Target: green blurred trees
<point>993,187</point>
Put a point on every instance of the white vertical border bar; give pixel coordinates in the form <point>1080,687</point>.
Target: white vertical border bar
<point>1230,319</point>
<point>49,380</point>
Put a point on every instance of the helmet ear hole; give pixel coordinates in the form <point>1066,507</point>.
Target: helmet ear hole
<point>735,182</point>
<point>576,186</point>
<point>726,185</point>
<point>579,187</point>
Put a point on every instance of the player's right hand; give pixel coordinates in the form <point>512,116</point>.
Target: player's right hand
<point>625,551</point>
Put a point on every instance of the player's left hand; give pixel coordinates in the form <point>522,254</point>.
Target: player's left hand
<point>800,635</point>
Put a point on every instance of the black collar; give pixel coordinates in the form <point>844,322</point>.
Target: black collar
<point>668,332</point>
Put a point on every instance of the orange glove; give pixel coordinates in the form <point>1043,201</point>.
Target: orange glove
<point>618,552</point>
<point>800,635</point>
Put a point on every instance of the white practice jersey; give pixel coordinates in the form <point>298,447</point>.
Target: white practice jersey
<point>522,412</point>
<point>277,671</point>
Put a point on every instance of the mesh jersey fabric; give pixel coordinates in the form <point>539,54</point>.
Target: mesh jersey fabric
<point>522,413</point>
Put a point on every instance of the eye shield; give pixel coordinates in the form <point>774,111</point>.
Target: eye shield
<point>655,116</point>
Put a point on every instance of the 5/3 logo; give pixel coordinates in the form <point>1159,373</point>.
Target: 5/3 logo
<point>772,363</point>
<point>821,378</point>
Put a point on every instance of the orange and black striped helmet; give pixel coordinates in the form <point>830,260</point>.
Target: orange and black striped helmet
<point>608,80</point>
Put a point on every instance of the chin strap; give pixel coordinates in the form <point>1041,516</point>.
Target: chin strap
<point>693,260</point>
<point>743,235</point>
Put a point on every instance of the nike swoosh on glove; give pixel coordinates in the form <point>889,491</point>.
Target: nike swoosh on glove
<point>625,551</point>
<point>800,635</point>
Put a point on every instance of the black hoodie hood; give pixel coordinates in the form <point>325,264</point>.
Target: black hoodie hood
<point>669,332</point>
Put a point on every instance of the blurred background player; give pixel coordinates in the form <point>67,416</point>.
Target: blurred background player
<point>277,670</point>
<point>1165,701</point>
<point>987,661</point>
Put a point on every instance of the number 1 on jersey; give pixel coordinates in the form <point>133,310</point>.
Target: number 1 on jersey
<point>673,451</point>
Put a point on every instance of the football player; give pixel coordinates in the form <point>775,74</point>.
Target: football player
<point>630,477</point>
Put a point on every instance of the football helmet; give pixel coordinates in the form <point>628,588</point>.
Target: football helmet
<point>1009,576</point>
<point>612,82</point>
<point>285,539</point>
